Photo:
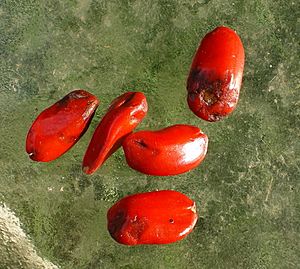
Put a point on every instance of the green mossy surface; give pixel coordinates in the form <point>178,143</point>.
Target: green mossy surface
<point>247,189</point>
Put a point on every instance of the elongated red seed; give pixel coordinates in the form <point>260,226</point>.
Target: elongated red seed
<point>59,127</point>
<point>124,114</point>
<point>169,151</point>
<point>159,217</point>
<point>215,76</point>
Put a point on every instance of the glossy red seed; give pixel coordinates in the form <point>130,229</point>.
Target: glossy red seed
<point>169,151</point>
<point>215,76</point>
<point>60,126</point>
<point>124,114</point>
<point>159,217</point>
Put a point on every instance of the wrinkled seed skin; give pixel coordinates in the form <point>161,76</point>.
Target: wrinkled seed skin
<point>215,76</point>
<point>59,127</point>
<point>169,151</point>
<point>124,114</point>
<point>159,217</point>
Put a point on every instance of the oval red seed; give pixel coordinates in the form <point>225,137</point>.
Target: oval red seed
<point>124,114</point>
<point>215,76</point>
<point>169,151</point>
<point>159,217</point>
<point>59,127</point>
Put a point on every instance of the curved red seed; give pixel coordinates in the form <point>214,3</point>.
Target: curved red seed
<point>123,115</point>
<point>159,217</point>
<point>169,151</point>
<point>59,127</point>
<point>215,76</point>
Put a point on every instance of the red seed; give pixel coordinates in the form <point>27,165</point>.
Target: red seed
<point>215,76</point>
<point>159,217</point>
<point>170,151</point>
<point>124,114</point>
<point>60,126</point>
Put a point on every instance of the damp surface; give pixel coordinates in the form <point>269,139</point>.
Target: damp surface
<point>247,188</point>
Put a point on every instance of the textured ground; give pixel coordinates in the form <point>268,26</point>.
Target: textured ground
<point>247,189</point>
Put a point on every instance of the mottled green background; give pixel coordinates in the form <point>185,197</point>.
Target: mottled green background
<point>247,189</point>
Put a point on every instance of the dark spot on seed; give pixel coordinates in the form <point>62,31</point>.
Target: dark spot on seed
<point>77,94</point>
<point>137,228</point>
<point>116,224</point>
<point>141,143</point>
<point>129,98</point>
<point>64,101</point>
<point>205,85</point>
<point>209,97</point>
<point>171,220</point>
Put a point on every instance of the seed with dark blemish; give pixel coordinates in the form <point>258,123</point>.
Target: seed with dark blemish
<point>141,143</point>
<point>129,98</point>
<point>215,76</point>
<point>117,222</point>
<point>149,218</point>
<point>209,97</point>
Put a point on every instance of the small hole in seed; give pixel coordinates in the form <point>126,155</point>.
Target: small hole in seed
<point>209,97</point>
<point>171,220</point>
